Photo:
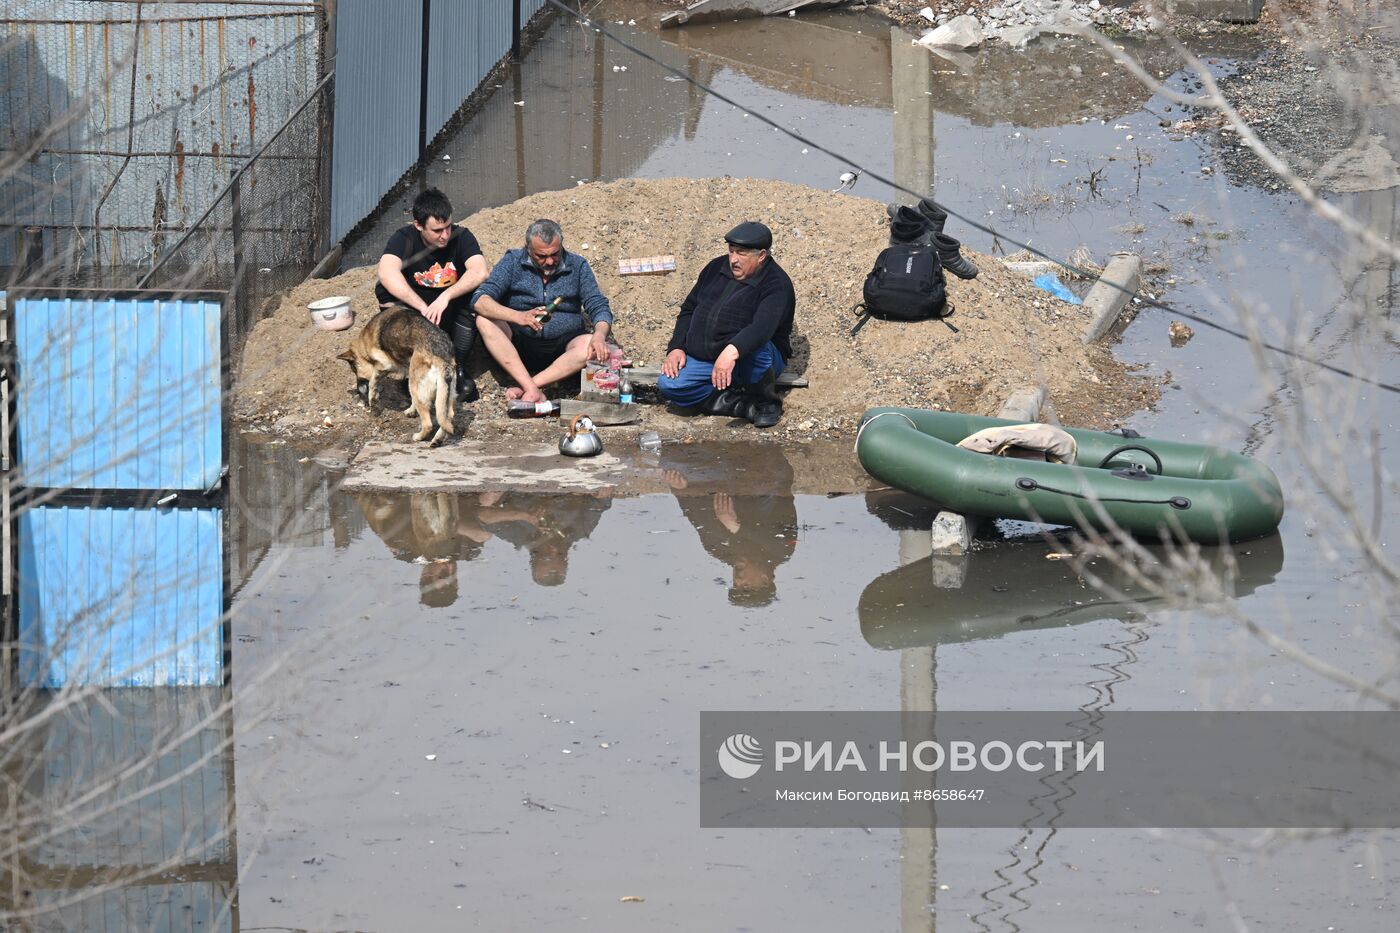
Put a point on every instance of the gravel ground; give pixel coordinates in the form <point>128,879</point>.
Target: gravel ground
<point>1011,334</point>
<point>1327,108</point>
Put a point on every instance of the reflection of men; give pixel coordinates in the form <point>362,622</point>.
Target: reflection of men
<point>547,527</point>
<point>533,349</point>
<point>753,534</point>
<point>732,336</point>
<point>432,267</point>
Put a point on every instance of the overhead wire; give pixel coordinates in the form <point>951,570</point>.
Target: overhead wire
<point>1140,297</point>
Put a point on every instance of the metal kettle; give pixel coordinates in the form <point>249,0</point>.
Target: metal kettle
<point>582,440</point>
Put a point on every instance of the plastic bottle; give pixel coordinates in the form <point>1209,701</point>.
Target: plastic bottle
<point>624,389</point>
<point>519,408</point>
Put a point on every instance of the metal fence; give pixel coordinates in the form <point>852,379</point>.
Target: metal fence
<point>221,145</point>
<point>259,234</point>
<point>382,127</point>
<point>119,122</point>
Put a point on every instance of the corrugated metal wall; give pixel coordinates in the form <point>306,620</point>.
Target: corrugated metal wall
<point>118,393</point>
<point>120,597</point>
<point>114,395</point>
<point>166,815</point>
<point>212,80</point>
<point>376,115</point>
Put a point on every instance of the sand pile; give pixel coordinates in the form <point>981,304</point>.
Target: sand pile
<point>1011,334</point>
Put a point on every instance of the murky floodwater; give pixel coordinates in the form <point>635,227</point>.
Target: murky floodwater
<point>482,711</point>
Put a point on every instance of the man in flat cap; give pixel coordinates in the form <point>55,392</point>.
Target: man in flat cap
<point>732,337</point>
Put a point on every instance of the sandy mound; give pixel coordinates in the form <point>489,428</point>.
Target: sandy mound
<point>1011,334</point>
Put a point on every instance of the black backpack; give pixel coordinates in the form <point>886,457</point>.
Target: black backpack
<point>906,284</point>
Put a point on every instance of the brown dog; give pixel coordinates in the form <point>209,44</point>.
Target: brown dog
<point>398,342</point>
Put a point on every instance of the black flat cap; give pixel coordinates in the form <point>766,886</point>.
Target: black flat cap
<point>751,234</point>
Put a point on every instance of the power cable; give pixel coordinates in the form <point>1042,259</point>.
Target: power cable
<point>1141,298</point>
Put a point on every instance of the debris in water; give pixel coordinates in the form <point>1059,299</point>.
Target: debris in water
<point>431,757</point>
<point>631,899</point>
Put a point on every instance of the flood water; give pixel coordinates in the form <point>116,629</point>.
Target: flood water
<point>482,711</point>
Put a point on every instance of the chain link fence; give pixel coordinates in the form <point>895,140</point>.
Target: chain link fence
<point>260,233</point>
<point>122,123</point>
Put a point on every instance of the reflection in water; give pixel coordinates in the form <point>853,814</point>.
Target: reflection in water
<point>753,534</point>
<point>859,60</point>
<point>119,811</point>
<point>582,118</point>
<point>933,600</point>
<point>437,530</point>
<point>1014,587</point>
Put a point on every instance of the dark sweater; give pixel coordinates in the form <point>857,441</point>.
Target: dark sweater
<point>721,310</point>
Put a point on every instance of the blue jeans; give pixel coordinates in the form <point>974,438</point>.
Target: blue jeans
<point>692,384</point>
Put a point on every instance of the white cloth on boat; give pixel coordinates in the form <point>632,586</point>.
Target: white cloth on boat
<point>1033,441</point>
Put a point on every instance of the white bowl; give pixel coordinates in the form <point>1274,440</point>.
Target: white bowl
<point>332,313</point>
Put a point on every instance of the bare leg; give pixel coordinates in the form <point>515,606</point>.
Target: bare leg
<point>496,336</point>
<point>572,360</point>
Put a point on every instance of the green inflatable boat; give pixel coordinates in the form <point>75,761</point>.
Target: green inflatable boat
<point>1149,488</point>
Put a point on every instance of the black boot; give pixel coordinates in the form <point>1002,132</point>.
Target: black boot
<point>467,391</point>
<point>725,403</point>
<point>909,226</point>
<point>763,407</point>
<point>463,338</point>
<point>953,260</point>
<point>935,215</point>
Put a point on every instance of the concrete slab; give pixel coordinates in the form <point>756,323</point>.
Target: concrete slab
<point>1228,11</point>
<point>1024,404</point>
<point>1111,294</point>
<point>708,10</point>
<point>952,532</point>
<point>474,466</point>
<point>532,463</point>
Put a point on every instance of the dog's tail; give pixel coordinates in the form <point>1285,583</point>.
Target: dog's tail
<point>442,402</point>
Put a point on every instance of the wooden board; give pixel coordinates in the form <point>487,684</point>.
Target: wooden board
<point>647,376</point>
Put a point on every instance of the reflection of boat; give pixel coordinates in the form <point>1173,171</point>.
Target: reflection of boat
<point>1186,491</point>
<point>1013,588</point>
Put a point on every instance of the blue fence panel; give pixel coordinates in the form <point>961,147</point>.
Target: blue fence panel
<point>118,393</point>
<point>120,597</point>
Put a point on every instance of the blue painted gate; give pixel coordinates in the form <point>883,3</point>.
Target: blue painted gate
<point>119,457</point>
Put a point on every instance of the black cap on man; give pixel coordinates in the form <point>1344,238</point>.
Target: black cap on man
<point>751,235</point>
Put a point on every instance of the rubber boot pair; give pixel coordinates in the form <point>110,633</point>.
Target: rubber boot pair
<point>924,225</point>
<point>759,403</point>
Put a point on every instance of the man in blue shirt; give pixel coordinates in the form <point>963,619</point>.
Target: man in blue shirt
<point>733,335</point>
<point>535,341</point>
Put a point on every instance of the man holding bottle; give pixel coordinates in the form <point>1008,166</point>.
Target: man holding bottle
<point>732,336</point>
<point>541,314</point>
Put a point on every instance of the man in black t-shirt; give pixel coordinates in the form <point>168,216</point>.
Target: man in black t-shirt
<point>432,267</point>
